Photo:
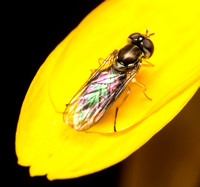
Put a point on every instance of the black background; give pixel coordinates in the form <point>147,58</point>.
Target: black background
<point>32,31</point>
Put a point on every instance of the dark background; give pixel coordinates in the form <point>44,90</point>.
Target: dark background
<point>34,30</point>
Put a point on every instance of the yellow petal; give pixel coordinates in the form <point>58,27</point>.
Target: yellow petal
<point>49,146</point>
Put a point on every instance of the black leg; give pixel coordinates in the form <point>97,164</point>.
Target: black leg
<point>116,112</point>
<point>115,119</point>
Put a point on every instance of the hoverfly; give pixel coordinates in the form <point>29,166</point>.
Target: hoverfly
<point>107,82</point>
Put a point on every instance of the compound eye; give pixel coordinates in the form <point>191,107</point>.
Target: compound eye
<point>148,45</point>
<point>133,38</point>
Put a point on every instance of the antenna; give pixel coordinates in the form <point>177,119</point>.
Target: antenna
<point>147,30</point>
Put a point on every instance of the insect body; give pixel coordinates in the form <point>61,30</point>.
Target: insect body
<point>107,82</point>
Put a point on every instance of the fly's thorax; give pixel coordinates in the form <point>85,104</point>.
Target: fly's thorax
<point>129,58</point>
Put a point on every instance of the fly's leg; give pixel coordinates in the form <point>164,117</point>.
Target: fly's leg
<point>69,108</point>
<point>116,111</point>
<point>101,60</point>
<point>92,72</point>
<point>109,59</point>
<point>148,64</point>
<point>142,86</point>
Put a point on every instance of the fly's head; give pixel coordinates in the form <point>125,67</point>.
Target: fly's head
<point>130,56</point>
<point>143,42</point>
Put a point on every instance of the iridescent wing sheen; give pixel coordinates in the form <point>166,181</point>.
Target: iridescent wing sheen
<point>71,105</point>
<point>105,64</point>
<point>96,96</point>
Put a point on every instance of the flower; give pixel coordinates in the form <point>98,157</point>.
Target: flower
<point>51,147</point>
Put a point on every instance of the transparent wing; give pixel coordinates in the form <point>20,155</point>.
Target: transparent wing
<point>111,97</point>
<point>96,97</point>
<point>105,64</point>
<point>68,113</point>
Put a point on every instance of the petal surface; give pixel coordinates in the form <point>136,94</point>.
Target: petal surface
<point>50,147</point>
